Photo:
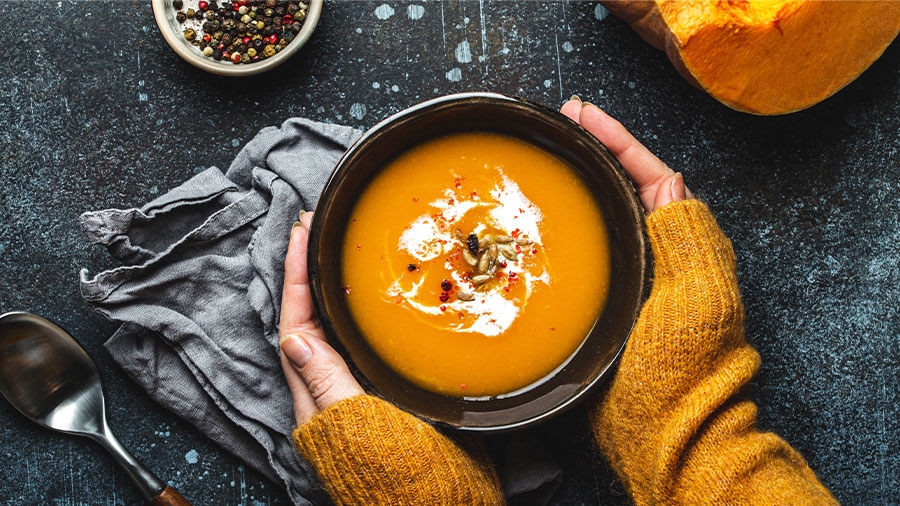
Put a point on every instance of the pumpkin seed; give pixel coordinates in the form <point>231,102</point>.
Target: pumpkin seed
<point>469,258</point>
<point>509,252</point>
<point>524,241</point>
<point>503,239</point>
<point>480,279</point>
<point>484,263</point>
<point>465,295</point>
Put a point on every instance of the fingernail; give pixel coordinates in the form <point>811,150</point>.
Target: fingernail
<point>678,189</point>
<point>296,224</point>
<point>575,97</point>
<point>302,212</point>
<point>587,104</point>
<point>295,349</point>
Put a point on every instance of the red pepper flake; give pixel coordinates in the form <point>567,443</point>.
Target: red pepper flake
<point>516,233</point>
<point>474,194</point>
<point>458,182</point>
<point>415,199</point>
<point>534,251</point>
<point>443,308</point>
<point>358,247</point>
<point>346,289</point>
<point>503,264</point>
<point>512,274</point>
<point>463,386</point>
<point>460,315</point>
<point>450,202</point>
<point>398,300</point>
<point>353,220</point>
<point>552,328</point>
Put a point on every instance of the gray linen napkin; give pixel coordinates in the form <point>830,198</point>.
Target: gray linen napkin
<point>199,290</point>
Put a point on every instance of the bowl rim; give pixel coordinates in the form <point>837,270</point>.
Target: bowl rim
<point>644,260</point>
<point>189,53</point>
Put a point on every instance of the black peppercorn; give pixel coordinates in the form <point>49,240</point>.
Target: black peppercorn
<point>241,31</point>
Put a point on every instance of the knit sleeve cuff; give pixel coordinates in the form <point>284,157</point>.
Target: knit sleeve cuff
<point>367,451</point>
<point>686,239</point>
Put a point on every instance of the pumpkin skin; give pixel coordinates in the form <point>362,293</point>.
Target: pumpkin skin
<point>766,57</point>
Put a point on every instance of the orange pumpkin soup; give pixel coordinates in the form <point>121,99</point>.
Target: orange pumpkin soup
<point>475,264</point>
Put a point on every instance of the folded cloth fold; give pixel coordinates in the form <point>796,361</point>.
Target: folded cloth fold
<point>198,293</point>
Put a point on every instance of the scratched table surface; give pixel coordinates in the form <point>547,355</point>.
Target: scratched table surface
<point>96,111</point>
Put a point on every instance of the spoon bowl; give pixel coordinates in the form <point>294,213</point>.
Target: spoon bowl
<point>49,378</point>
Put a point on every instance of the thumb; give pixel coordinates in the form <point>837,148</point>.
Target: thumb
<point>671,189</point>
<point>322,369</point>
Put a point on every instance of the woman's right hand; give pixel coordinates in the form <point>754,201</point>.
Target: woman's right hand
<point>657,184</point>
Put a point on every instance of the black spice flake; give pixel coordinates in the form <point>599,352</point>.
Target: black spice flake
<point>242,31</point>
<point>472,243</point>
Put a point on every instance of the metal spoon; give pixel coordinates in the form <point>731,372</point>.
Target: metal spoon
<point>47,375</point>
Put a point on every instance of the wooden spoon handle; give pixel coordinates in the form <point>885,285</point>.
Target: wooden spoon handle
<point>169,497</point>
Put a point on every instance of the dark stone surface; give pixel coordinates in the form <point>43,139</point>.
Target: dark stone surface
<point>96,111</point>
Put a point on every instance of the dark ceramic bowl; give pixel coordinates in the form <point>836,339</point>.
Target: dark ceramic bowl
<point>593,361</point>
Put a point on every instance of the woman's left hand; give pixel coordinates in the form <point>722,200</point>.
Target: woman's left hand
<point>317,376</point>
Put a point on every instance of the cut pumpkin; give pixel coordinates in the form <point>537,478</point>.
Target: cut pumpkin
<point>766,57</point>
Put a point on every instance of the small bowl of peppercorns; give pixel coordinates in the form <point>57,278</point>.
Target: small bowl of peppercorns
<point>236,37</point>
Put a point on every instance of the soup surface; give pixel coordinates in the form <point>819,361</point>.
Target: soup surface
<point>475,264</point>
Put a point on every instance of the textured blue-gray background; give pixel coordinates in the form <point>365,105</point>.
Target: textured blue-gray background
<point>96,111</point>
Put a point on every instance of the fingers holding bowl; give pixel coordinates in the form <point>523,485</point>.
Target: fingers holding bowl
<point>654,179</point>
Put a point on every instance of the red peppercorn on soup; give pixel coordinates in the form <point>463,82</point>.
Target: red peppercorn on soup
<point>479,260</point>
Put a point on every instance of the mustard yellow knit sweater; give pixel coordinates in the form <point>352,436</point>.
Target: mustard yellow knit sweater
<point>674,423</point>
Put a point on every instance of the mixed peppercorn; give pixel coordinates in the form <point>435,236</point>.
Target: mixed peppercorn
<point>241,31</point>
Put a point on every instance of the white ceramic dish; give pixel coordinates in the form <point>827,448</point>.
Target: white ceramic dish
<point>171,30</point>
